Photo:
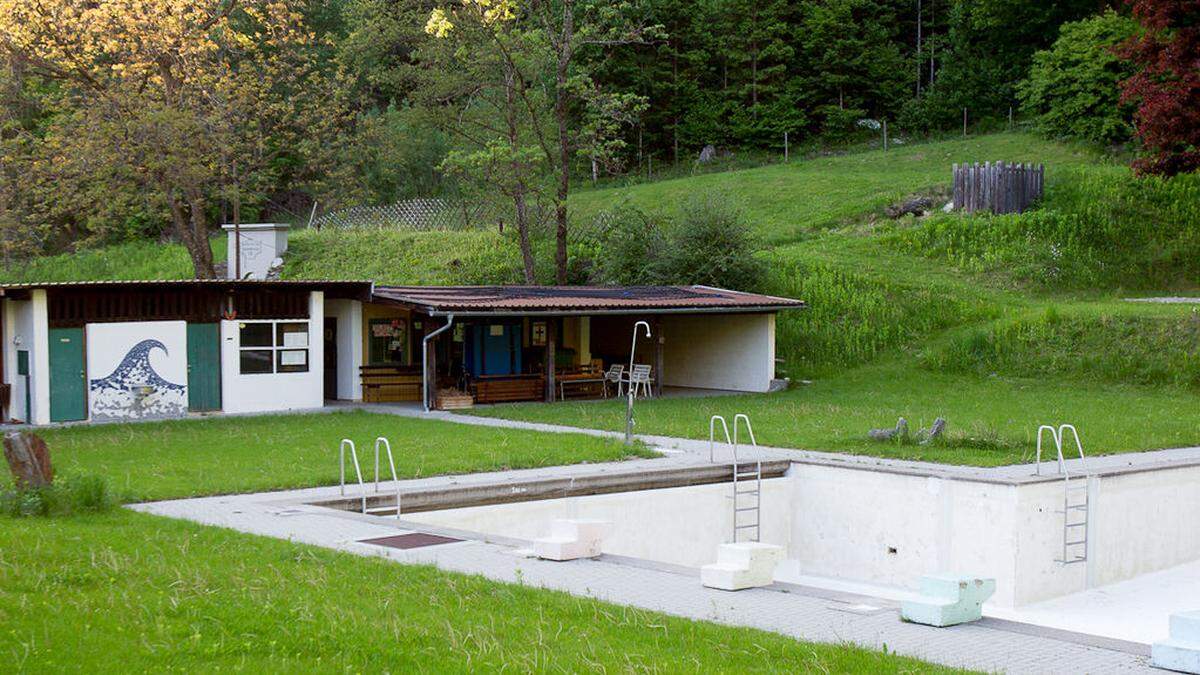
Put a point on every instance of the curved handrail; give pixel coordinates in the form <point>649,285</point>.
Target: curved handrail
<point>1078,443</point>
<point>391,463</point>
<point>357,470</point>
<point>749,429</point>
<point>1054,434</point>
<point>712,428</point>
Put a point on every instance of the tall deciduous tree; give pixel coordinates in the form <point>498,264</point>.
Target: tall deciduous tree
<point>1167,84</point>
<point>192,100</point>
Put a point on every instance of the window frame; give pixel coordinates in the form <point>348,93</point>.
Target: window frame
<point>277,346</point>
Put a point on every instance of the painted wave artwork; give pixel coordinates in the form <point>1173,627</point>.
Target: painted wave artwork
<point>135,390</point>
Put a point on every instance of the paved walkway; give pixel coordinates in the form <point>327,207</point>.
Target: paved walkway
<point>799,612</point>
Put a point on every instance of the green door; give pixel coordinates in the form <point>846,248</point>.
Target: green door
<point>204,366</point>
<point>68,400</point>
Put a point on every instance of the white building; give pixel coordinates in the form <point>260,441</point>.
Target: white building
<point>121,350</point>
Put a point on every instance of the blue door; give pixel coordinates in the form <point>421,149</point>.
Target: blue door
<point>495,349</point>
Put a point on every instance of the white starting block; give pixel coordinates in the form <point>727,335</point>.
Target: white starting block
<point>1181,651</point>
<point>571,539</point>
<point>948,600</point>
<point>747,564</point>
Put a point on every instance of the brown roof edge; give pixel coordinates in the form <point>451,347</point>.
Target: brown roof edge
<point>566,300</point>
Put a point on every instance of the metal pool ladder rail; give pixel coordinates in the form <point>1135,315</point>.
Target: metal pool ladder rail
<point>395,478</point>
<point>747,480</point>
<point>1075,533</point>
<point>357,470</point>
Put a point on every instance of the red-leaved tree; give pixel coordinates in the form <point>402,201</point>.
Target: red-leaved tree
<point>1166,87</point>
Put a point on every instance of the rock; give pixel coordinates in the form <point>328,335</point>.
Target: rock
<point>915,206</point>
<point>933,432</point>
<point>901,431</point>
<point>28,459</point>
<point>708,154</point>
<point>948,207</point>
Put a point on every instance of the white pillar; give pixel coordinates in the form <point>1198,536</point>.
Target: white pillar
<point>39,346</point>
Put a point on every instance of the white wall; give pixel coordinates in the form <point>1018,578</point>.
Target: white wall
<point>719,351</point>
<point>39,356</point>
<point>19,327</point>
<point>278,391</point>
<point>137,370</point>
<point>349,346</point>
<point>261,243</point>
<point>680,526</point>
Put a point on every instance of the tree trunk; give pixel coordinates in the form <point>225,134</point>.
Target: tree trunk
<point>564,145</point>
<point>28,459</point>
<point>523,235</point>
<point>197,243</point>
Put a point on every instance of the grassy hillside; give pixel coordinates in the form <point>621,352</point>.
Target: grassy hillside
<point>130,261</point>
<point>787,201</point>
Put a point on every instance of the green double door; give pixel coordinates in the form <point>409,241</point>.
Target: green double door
<point>68,375</point>
<point>204,366</point>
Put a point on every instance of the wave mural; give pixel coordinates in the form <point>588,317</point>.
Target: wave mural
<point>134,390</point>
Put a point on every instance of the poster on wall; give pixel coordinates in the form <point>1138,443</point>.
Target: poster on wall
<point>137,370</point>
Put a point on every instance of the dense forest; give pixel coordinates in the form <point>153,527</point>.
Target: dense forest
<point>125,119</point>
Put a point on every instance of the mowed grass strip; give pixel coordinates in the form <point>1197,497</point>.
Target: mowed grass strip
<point>221,455</point>
<point>992,420</point>
<point>129,592</point>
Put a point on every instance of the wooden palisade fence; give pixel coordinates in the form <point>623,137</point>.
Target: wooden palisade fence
<point>998,187</point>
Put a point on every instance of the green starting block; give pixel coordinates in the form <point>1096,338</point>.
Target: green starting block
<point>948,600</point>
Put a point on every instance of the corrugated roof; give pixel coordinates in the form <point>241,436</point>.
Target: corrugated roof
<point>516,299</point>
<point>182,282</point>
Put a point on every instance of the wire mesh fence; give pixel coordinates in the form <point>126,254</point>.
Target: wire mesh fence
<point>411,214</point>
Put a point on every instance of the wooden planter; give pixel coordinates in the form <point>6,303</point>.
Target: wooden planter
<point>452,399</point>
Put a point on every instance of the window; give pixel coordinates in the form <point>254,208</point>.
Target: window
<point>273,347</point>
<point>388,341</point>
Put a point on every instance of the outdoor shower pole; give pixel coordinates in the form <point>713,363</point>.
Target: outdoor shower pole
<point>629,386</point>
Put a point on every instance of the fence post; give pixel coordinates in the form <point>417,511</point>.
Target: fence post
<point>964,122</point>
<point>885,136</point>
<point>785,146</point>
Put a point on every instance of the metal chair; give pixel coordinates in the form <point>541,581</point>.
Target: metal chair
<point>615,374</point>
<point>640,379</point>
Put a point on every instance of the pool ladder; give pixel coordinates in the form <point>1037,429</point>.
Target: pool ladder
<point>1075,532</point>
<point>380,441</point>
<point>747,479</point>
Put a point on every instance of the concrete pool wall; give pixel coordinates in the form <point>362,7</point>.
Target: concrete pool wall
<point>875,526</point>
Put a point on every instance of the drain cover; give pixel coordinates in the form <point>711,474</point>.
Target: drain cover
<point>414,540</point>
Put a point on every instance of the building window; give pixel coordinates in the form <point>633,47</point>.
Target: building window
<point>273,347</point>
<point>388,341</point>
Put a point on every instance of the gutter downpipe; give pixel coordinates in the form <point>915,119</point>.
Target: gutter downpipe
<point>425,359</point>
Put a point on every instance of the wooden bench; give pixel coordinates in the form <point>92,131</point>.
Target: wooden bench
<point>381,384</point>
<point>508,388</point>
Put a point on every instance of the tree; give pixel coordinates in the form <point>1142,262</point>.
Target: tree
<point>193,101</point>
<point>1072,89</point>
<point>545,87</point>
<point>1166,86</point>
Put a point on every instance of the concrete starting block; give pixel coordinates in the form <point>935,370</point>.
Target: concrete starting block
<point>948,599</point>
<point>1181,651</point>
<point>571,539</point>
<point>747,564</point>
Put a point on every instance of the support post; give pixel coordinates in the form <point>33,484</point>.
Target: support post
<point>551,336</point>
<point>658,357</point>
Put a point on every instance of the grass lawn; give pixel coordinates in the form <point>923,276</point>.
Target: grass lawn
<point>991,420</point>
<point>184,458</point>
<point>127,592</point>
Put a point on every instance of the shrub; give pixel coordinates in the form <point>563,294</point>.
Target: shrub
<point>711,244</point>
<point>1073,87</point>
<point>67,495</point>
<point>708,242</point>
